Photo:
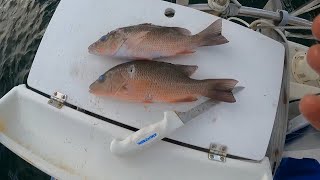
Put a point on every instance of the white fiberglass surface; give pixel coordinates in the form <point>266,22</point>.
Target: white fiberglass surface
<point>68,144</point>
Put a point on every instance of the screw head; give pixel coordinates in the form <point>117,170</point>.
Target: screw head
<point>213,146</point>
<point>222,158</point>
<point>223,148</point>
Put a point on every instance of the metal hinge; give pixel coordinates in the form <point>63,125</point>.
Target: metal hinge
<point>57,100</point>
<point>217,152</point>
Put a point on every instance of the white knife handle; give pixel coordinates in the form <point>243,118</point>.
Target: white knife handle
<point>148,135</point>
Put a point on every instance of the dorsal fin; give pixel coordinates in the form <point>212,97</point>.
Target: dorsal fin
<point>145,24</point>
<point>187,69</point>
<point>181,30</point>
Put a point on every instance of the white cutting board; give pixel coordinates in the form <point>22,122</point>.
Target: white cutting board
<point>63,64</point>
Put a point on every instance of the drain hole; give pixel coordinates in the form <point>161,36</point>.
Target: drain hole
<point>169,12</point>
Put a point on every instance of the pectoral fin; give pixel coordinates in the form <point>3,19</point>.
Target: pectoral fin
<point>134,40</point>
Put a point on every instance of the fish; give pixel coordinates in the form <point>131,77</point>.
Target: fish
<point>148,41</point>
<point>145,81</point>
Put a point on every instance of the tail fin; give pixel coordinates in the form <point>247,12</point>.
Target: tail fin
<point>212,35</point>
<point>221,89</point>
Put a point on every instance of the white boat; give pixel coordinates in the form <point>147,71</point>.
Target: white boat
<point>56,125</point>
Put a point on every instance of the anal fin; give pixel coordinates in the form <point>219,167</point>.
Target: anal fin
<point>185,99</point>
<point>188,51</point>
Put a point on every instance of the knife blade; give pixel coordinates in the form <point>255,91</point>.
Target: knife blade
<point>201,108</point>
<point>195,111</point>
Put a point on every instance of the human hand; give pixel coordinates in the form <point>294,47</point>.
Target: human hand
<point>310,104</point>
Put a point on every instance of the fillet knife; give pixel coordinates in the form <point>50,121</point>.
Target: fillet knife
<point>153,133</point>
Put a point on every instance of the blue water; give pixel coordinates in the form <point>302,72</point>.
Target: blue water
<point>22,25</point>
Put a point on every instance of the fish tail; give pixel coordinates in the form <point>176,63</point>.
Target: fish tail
<point>220,89</point>
<point>212,35</point>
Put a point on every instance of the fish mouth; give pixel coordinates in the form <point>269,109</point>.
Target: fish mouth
<point>95,89</point>
<point>92,87</point>
<point>97,93</point>
<point>91,91</point>
<point>91,48</point>
<point>94,49</point>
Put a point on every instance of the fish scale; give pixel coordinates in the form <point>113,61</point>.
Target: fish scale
<point>159,45</point>
<point>153,81</point>
<point>149,41</point>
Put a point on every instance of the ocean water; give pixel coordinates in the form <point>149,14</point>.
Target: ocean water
<point>22,25</point>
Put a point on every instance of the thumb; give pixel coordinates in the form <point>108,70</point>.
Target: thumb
<point>310,108</point>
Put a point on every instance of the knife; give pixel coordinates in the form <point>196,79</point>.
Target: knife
<point>153,133</point>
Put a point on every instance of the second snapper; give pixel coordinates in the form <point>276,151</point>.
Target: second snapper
<point>153,81</point>
<point>148,41</point>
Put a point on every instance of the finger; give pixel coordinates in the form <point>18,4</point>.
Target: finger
<point>310,108</point>
<point>316,27</point>
<point>313,57</point>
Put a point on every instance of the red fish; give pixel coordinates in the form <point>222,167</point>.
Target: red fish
<point>148,41</point>
<point>153,81</point>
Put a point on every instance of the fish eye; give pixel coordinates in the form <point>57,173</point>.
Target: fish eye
<point>101,78</point>
<point>103,38</point>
